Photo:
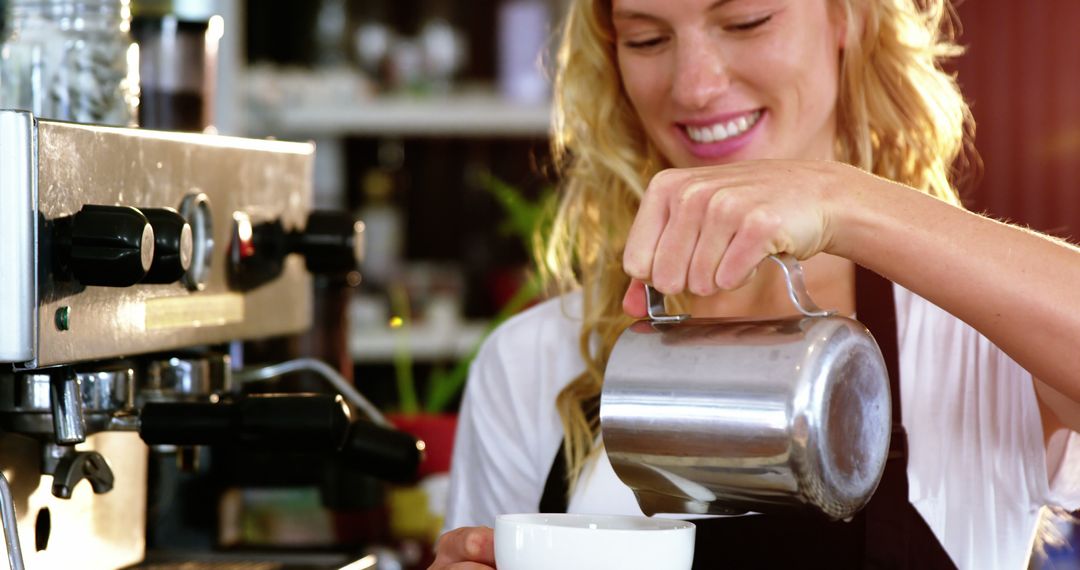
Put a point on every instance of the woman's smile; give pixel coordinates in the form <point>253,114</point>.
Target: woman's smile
<point>721,136</point>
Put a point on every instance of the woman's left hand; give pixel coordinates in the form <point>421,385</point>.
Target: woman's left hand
<point>706,229</point>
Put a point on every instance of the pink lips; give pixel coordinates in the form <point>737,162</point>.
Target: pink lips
<point>719,149</point>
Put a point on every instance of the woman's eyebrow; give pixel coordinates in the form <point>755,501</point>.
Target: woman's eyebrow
<point>718,4</point>
<point>622,14</point>
<point>632,15</point>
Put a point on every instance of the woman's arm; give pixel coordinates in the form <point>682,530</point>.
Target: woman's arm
<point>706,229</point>
<point>1017,287</point>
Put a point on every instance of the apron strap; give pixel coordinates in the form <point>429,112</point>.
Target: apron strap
<point>557,488</point>
<point>896,536</point>
<point>876,308</point>
<point>554,499</point>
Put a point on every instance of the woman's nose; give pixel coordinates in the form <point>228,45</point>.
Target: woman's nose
<point>701,74</point>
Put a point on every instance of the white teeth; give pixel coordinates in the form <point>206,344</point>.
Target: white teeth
<point>722,131</point>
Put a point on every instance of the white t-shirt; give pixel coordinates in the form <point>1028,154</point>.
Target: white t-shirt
<point>977,468</point>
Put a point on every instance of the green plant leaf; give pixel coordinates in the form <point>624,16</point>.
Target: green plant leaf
<point>403,372</point>
<point>444,386</point>
<point>522,215</point>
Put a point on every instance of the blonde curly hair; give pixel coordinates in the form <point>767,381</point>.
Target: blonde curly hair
<point>899,115</point>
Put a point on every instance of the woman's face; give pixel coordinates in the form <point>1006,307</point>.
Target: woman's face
<point>716,81</point>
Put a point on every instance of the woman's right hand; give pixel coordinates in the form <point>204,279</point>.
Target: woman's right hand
<point>466,548</point>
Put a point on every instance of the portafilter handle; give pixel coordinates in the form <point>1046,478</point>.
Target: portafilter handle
<point>307,422</point>
<point>386,454</point>
<point>316,422</point>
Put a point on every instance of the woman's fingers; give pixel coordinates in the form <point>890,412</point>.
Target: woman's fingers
<point>716,235</point>
<point>707,229</point>
<point>468,544</point>
<point>634,303</point>
<point>752,243</point>
<point>687,207</point>
<point>649,223</point>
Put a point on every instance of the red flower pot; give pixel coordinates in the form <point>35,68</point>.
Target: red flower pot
<point>437,431</point>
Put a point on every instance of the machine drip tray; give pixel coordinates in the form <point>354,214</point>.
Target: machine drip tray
<point>256,561</point>
<point>238,565</point>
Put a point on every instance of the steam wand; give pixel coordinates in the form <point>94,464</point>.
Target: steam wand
<point>11,525</point>
<point>322,369</point>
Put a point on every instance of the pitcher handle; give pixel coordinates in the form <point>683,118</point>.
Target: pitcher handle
<point>793,276</point>
<point>654,301</point>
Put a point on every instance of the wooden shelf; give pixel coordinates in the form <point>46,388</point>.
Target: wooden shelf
<point>469,113</point>
<point>425,344</point>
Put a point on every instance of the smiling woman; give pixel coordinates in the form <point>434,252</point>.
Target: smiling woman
<point>769,62</point>
<point>698,137</point>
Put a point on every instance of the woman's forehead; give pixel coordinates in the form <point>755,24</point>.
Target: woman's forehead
<point>703,5</point>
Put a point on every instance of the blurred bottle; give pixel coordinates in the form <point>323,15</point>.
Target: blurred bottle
<point>331,31</point>
<point>373,39</point>
<point>523,27</point>
<point>444,51</point>
<point>383,229</point>
<point>405,67</point>
<point>179,45</point>
<point>70,60</point>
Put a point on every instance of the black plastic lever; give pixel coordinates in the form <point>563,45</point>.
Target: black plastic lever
<point>313,423</point>
<point>78,465</point>
<point>275,421</point>
<point>384,453</point>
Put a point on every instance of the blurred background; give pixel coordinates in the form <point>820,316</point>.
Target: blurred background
<point>420,108</point>
<point>431,121</point>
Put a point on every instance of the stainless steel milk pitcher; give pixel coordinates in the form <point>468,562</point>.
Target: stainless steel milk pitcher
<point>724,416</point>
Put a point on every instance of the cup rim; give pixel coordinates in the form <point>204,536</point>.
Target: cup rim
<point>654,524</point>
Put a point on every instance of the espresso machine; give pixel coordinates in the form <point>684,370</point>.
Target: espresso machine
<point>129,261</point>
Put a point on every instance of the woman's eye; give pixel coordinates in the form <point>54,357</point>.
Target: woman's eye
<point>749,25</point>
<point>644,43</point>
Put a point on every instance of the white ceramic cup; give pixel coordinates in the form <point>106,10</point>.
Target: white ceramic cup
<point>592,542</point>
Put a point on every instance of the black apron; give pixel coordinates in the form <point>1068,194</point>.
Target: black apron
<point>888,533</point>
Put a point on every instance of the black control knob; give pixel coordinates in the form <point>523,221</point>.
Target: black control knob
<point>331,243</point>
<point>110,246</point>
<point>172,245</point>
<point>257,252</point>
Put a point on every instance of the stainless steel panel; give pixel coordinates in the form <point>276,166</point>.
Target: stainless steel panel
<point>82,164</point>
<point>87,531</point>
<point>18,232</point>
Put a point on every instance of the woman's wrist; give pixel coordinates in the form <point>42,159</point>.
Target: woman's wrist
<point>858,205</point>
